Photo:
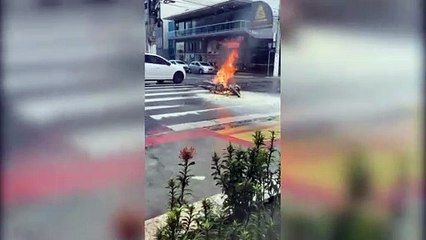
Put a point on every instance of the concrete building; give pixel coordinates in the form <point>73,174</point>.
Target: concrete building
<point>203,34</point>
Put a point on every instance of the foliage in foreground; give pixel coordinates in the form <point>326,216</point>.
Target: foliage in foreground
<point>250,182</point>
<point>354,220</point>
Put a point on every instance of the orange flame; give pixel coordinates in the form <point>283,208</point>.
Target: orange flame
<point>227,70</point>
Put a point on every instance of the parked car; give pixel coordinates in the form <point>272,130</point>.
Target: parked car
<point>181,63</point>
<point>159,69</point>
<point>214,65</point>
<point>201,67</point>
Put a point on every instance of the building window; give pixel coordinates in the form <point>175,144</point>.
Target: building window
<point>188,24</point>
<point>171,26</point>
<point>181,25</point>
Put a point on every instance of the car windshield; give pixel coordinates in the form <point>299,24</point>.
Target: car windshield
<point>180,62</point>
<point>205,64</point>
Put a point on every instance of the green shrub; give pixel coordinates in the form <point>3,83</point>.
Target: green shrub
<point>250,182</point>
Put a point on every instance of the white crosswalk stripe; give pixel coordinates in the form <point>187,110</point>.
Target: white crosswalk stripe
<point>176,114</point>
<point>201,109</point>
<point>161,99</point>
<point>150,90</point>
<point>102,119</point>
<point>174,93</point>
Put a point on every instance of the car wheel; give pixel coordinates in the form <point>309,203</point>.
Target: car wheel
<point>200,71</point>
<point>178,77</point>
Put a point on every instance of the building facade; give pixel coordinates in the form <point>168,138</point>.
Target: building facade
<point>204,34</point>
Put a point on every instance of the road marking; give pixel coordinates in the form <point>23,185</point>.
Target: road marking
<point>177,114</point>
<point>197,112</point>
<point>168,86</point>
<point>107,140</point>
<point>47,110</point>
<point>150,100</point>
<point>168,89</point>
<point>174,93</point>
<point>214,122</point>
<point>149,108</point>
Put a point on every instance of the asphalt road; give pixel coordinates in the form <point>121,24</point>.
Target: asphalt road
<point>186,106</point>
<point>180,115</point>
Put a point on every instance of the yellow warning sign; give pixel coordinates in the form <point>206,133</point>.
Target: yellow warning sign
<point>260,13</point>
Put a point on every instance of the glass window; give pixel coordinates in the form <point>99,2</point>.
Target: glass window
<point>155,60</point>
<point>181,25</point>
<point>205,64</point>
<point>188,24</point>
<point>180,62</point>
<point>171,26</point>
<point>160,60</point>
<point>148,59</point>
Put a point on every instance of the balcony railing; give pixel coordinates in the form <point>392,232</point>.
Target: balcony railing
<point>211,29</point>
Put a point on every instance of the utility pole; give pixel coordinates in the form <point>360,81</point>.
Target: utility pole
<point>277,39</point>
<point>154,20</point>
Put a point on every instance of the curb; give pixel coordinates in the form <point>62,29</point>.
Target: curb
<point>166,137</point>
<point>244,122</point>
<point>152,224</point>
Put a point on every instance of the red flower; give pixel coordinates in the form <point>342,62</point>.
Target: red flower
<point>187,153</point>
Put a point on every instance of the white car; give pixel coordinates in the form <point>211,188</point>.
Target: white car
<point>181,63</point>
<point>159,69</point>
<point>201,67</point>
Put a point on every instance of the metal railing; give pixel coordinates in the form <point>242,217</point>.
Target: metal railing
<point>213,28</point>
